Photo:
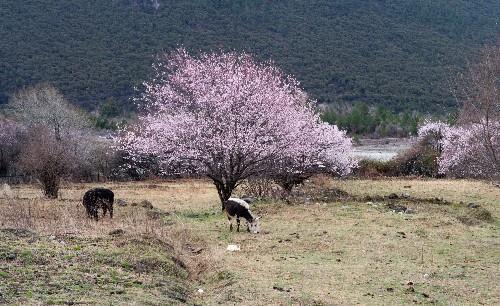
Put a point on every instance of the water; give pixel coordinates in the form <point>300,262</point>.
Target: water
<point>383,149</point>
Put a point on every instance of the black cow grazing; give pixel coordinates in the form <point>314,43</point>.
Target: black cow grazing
<point>236,208</point>
<point>98,198</point>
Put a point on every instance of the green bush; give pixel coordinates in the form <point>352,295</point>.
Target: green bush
<point>420,160</point>
<point>373,168</point>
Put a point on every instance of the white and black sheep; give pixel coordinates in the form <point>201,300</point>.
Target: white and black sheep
<point>237,208</point>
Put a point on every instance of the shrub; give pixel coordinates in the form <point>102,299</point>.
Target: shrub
<point>262,188</point>
<point>421,160</point>
<point>372,168</point>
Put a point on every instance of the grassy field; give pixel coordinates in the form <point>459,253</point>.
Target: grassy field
<point>317,250</point>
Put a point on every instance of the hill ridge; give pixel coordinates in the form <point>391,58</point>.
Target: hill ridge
<point>400,54</point>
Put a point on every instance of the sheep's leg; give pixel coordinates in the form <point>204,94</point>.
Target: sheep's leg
<point>238,222</point>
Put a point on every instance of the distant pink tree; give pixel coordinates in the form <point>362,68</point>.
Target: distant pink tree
<point>472,148</point>
<point>432,133</point>
<point>229,117</point>
<point>463,149</point>
<point>466,152</point>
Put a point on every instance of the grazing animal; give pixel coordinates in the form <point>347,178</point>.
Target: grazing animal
<point>98,198</point>
<point>237,208</point>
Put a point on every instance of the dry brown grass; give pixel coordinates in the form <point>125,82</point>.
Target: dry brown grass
<point>334,252</point>
<point>68,218</point>
<point>466,191</point>
<point>30,223</point>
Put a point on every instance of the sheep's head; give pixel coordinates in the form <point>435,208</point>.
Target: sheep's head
<point>254,226</point>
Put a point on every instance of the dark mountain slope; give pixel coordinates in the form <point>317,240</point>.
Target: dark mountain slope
<point>395,53</point>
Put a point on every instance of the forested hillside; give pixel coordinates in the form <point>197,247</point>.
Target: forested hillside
<point>400,54</point>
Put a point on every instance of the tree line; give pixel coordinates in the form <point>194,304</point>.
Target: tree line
<point>375,122</point>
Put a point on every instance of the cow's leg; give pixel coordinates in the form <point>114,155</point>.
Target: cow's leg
<point>104,209</point>
<point>230,224</point>
<point>95,212</point>
<point>238,222</point>
<point>111,211</point>
<point>88,211</point>
<point>93,206</point>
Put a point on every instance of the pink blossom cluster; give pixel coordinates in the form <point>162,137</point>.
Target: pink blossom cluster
<point>470,150</point>
<point>321,148</point>
<point>433,128</point>
<point>229,117</point>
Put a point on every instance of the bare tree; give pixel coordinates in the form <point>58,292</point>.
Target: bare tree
<point>47,158</point>
<point>95,159</point>
<point>44,105</point>
<point>478,89</point>
<point>56,141</point>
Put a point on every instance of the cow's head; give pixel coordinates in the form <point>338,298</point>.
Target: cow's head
<point>254,226</point>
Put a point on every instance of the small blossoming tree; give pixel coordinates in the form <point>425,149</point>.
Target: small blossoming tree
<point>322,148</point>
<point>472,147</point>
<point>467,153</point>
<point>463,149</point>
<point>228,117</point>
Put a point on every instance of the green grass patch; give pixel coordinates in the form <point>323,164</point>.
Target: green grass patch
<point>100,273</point>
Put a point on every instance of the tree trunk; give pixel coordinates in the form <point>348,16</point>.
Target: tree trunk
<point>224,191</point>
<point>288,182</point>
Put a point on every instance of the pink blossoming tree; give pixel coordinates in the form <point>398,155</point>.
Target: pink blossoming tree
<point>228,117</point>
<point>466,152</point>
<point>472,147</point>
<point>463,149</point>
<point>322,148</point>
